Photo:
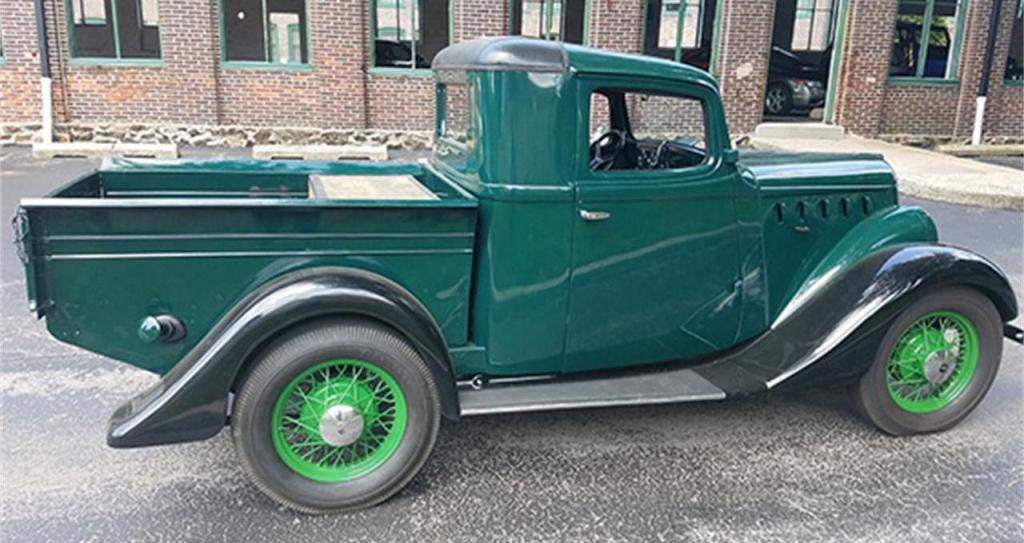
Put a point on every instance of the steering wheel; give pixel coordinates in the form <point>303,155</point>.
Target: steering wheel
<point>606,149</point>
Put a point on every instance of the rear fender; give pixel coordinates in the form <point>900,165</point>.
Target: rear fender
<point>190,402</point>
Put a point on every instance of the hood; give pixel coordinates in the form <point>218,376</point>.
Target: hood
<point>785,171</point>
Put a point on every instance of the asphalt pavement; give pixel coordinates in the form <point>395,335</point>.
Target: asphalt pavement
<point>798,467</point>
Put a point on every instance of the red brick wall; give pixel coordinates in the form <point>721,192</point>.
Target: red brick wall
<point>338,91</point>
<point>181,91</point>
<point>1005,112</point>
<point>396,102</point>
<point>19,74</point>
<point>744,42</point>
<point>868,106</point>
<point>1005,109</point>
<point>617,25</point>
<point>329,94</point>
<point>860,101</point>
<point>911,109</point>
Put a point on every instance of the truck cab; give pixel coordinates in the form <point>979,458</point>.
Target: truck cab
<point>605,183</point>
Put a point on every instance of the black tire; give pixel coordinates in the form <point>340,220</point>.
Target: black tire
<point>871,395</point>
<point>300,349</point>
<point>778,99</point>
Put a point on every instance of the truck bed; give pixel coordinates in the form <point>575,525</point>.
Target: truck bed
<point>191,238</point>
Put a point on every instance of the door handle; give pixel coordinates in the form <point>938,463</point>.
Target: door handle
<point>594,215</point>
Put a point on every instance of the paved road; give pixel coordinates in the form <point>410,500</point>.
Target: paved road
<point>792,468</point>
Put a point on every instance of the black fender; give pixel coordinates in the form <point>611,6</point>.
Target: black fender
<point>191,401</point>
<point>831,329</point>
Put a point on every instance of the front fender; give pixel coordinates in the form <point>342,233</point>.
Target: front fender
<point>190,402</point>
<point>831,329</point>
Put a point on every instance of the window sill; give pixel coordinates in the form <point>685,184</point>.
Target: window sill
<point>922,82</point>
<point>271,66</point>
<point>1006,82</point>
<point>402,72</point>
<point>119,62</point>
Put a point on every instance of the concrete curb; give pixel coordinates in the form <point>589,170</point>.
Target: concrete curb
<point>373,153</point>
<point>914,186</point>
<point>1008,149</point>
<point>101,150</point>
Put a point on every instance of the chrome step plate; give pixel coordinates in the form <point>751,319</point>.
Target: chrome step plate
<point>681,385</point>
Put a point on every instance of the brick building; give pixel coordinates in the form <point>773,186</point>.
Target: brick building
<point>187,69</point>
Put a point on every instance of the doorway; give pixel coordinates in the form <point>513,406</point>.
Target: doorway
<point>801,60</point>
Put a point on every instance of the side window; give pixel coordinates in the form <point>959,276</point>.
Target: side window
<point>115,29</point>
<point>638,130</point>
<point>456,122</point>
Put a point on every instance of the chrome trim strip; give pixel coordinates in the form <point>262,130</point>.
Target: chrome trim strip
<point>258,254</point>
<point>586,404</point>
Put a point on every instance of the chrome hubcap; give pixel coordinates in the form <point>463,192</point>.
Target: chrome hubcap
<point>939,366</point>
<point>341,425</point>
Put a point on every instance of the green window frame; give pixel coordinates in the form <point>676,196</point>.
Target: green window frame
<point>927,20</point>
<point>409,36</point>
<point>549,21</point>
<point>683,37</point>
<point>558,20</point>
<point>111,17</point>
<point>682,6</point>
<point>272,43</point>
<point>82,17</point>
<point>810,10</point>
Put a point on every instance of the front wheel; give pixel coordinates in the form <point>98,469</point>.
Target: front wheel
<point>934,365</point>
<point>778,99</point>
<point>336,416</point>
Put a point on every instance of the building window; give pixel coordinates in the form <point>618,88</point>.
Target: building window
<point>563,20</point>
<point>265,31</point>
<point>675,29</point>
<point>408,33</point>
<point>812,25</point>
<point>1015,57</point>
<point>926,40</point>
<point>114,29</point>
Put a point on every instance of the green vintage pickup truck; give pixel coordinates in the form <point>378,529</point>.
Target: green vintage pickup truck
<point>583,235</point>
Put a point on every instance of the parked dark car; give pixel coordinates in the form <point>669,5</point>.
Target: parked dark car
<point>795,85</point>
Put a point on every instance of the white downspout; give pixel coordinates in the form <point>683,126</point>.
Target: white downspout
<point>979,120</point>
<point>46,109</point>
<point>45,82</point>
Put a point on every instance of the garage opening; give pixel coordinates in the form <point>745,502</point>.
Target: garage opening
<point>800,60</point>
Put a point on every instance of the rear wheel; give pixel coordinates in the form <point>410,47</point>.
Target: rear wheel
<point>934,365</point>
<point>336,416</point>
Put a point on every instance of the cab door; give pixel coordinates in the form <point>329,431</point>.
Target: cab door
<point>654,264</point>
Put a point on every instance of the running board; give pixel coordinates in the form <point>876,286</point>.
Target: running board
<point>672,386</point>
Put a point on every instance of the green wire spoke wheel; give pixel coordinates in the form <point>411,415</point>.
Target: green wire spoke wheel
<point>932,362</point>
<point>339,420</point>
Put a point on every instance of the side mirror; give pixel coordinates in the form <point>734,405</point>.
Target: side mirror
<point>731,156</point>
